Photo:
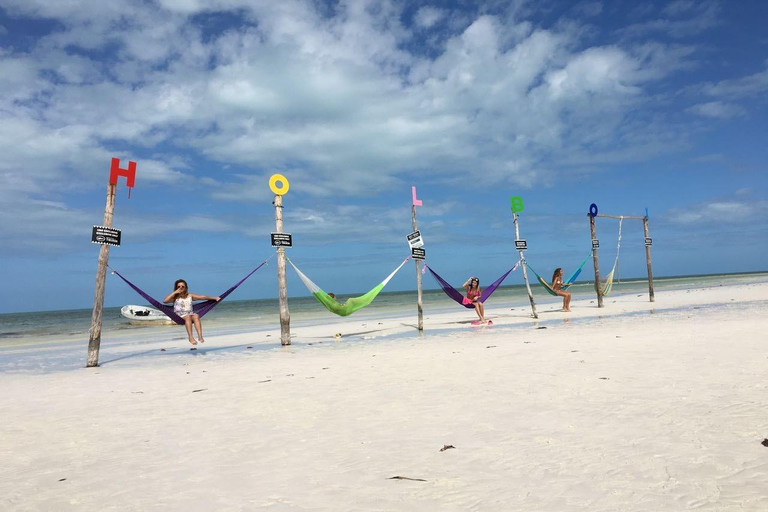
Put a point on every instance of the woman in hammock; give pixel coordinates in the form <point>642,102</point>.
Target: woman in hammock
<point>182,306</point>
<point>557,285</point>
<point>472,285</point>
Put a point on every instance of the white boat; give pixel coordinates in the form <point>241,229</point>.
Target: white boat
<point>145,315</point>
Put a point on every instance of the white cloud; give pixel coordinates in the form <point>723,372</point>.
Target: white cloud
<point>589,9</point>
<point>744,87</point>
<point>717,110</point>
<point>726,211</point>
<point>681,19</point>
<point>679,7</point>
<point>334,96</point>
<point>427,17</point>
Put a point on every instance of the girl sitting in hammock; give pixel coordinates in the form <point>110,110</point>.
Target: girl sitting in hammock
<point>472,285</point>
<point>557,284</point>
<point>182,306</point>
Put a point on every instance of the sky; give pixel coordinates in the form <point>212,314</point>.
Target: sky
<point>627,105</point>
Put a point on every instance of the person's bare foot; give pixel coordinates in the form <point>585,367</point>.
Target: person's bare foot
<point>202,340</point>
<point>567,310</point>
<point>193,341</point>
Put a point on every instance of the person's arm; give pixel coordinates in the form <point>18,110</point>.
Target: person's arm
<point>466,284</point>
<point>170,297</point>
<point>203,297</point>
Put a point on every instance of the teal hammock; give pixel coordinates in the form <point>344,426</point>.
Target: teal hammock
<point>352,304</point>
<point>567,283</point>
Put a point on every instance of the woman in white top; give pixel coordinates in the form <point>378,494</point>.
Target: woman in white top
<point>182,306</point>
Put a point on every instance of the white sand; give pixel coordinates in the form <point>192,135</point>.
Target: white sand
<point>618,409</point>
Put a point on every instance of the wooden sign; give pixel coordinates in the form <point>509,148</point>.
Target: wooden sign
<point>521,245</point>
<point>105,236</point>
<point>648,242</point>
<point>415,240</point>
<point>418,253</point>
<point>282,240</point>
<point>595,244</point>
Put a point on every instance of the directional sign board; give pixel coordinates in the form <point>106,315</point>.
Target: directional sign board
<point>415,240</point>
<point>648,242</point>
<point>521,245</point>
<point>595,244</point>
<point>105,236</point>
<point>282,240</point>
<point>418,253</point>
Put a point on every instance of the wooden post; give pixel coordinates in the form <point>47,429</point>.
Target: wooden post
<point>648,261</point>
<point>418,276</point>
<point>595,260</point>
<point>525,269</point>
<point>285,315</point>
<point>94,341</point>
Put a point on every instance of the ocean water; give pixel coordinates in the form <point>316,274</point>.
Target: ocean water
<point>240,316</point>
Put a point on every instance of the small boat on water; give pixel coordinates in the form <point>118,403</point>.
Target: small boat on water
<point>145,315</point>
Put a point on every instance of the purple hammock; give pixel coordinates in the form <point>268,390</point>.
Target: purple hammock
<point>201,308</point>
<point>458,297</point>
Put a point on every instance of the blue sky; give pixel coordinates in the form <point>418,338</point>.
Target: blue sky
<point>623,104</point>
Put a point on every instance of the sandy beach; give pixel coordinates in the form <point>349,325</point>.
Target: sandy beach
<point>637,406</point>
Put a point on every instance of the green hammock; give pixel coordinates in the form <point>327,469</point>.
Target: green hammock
<point>567,283</point>
<point>352,304</point>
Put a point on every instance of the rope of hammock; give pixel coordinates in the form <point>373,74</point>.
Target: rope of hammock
<point>607,285</point>
<point>352,304</point>
<point>201,308</point>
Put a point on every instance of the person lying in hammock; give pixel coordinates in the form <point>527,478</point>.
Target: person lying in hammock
<point>182,306</point>
<point>333,296</point>
<point>557,285</point>
<point>472,285</point>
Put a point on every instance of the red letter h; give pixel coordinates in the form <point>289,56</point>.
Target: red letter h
<point>115,171</point>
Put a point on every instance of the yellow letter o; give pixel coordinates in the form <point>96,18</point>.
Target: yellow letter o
<point>274,179</point>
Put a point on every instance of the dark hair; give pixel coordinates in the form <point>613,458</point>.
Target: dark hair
<point>557,271</point>
<point>474,280</point>
<point>176,284</point>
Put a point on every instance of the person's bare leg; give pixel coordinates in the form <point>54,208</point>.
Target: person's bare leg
<point>568,302</point>
<point>477,310</point>
<point>199,327</point>
<point>188,325</point>
<point>482,312</point>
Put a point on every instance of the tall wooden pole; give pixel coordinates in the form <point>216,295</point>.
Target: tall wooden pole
<point>595,260</point>
<point>648,261</point>
<point>525,269</point>
<point>418,276</point>
<point>94,341</point>
<point>285,315</point>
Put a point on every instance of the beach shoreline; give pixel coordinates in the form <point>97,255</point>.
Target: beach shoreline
<point>635,406</point>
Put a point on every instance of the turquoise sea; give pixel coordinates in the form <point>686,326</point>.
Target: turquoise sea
<point>240,316</point>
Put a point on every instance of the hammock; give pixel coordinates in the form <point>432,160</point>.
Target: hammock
<point>459,297</point>
<point>543,283</point>
<point>567,283</point>
<point>572,278</point>
<point>201,308</point>
<point>352,304</point>
<point>607,285</point>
